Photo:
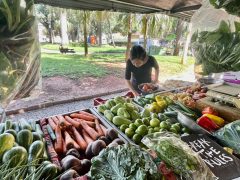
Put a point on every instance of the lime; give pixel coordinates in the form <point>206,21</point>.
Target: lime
<point>150,131</point>
<point>162,130</point>
<point>156,129</point>
<point>154,115</point>
<point>145,121</point>
<point>137,138</point>
<point>172,129</point>
<point>138,122</point>
<point>129,132</point>
<point>142,130</point>
<point>177,127</point>
<point>154,122</point>
<point>133,126</point>
<point>164,125</point>
<point>123,127</point>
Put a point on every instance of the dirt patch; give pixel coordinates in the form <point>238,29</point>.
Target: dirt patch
<point>62,88</point>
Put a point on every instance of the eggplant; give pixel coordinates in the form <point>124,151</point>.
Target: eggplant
<point>71,162</point>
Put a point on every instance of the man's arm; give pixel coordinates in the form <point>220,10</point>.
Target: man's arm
<point>129,84</point>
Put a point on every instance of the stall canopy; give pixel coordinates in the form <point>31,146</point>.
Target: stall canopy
<point>177,8</point>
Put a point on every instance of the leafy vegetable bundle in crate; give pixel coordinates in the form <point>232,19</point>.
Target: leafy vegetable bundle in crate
<point>218,51</point>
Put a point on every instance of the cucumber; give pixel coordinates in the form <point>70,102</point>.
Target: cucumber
<point>25,125</point>
<point>50,171</point>
<point>39,130</point>
<point>36,136</point>
<point>15,126</point>
<point>2,128</point>
<point>16,156</point>
<point>119,120</point>
<point>8,124</point>
<point>13,132</point>
<point>25,138</point>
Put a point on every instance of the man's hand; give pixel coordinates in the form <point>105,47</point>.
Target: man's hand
<point>135,93</point>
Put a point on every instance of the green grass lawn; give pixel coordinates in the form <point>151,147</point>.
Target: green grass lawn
<point>75,66</point>
<point>91,49</point>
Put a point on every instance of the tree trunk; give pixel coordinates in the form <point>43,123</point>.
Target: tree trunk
<point>63,19</point>
<point>129,43</point>
<point>110,31</point>
<point>187,43</point>
<point>50,35</point>
<point>85,33</point>
<point>100,28</point>
<point>145,29</point>
<point>179,30</point>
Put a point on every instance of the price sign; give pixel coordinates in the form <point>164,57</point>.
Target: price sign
<point>224,165</point>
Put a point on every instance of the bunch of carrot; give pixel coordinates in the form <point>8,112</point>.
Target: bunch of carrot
<point>75,131</point>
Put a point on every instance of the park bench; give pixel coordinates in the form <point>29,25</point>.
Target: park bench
<point>66,50</point>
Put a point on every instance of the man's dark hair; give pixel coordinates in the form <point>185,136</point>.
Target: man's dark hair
<point>138,52</point>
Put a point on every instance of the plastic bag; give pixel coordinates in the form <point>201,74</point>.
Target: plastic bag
<point>229,135</point>
<point>178,155</point>
<point>215,40</point>
<point>19,50</point>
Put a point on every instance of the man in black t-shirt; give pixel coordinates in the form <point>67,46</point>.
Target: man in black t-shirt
<point>139,69</point>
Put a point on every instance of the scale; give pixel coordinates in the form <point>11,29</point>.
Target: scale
<point>226,93</point>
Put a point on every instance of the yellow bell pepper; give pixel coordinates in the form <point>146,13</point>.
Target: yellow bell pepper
<point>218,120</point>
<point>161,104</point>
<point>154,108</point>
<point>158,98</point>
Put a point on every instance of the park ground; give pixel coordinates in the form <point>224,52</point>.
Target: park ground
<point>69,76</point>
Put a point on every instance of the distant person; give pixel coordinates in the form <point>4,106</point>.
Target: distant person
<point>139,69</point>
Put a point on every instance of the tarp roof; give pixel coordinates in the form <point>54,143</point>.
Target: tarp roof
<point>178,8</point>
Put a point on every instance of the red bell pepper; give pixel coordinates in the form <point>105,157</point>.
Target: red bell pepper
<point>167,173</point>
<point>207,123</point>
<point>209,110</point>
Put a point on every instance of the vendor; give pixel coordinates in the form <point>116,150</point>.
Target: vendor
<point>139,69</point>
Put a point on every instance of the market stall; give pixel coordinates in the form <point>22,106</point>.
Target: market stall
<point>186,133</point>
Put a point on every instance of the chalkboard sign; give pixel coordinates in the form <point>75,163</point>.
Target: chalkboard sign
<point>223,165</point>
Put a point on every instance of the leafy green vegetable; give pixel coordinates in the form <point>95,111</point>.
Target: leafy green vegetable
<point>124,162</point>
<point>231,6</point>
<point>217,51</point>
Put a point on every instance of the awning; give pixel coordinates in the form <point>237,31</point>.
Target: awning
<point>183,9</point>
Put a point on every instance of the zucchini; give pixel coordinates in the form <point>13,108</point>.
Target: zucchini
<point>15,126</point>
<point>13,132</point>
<point>33,125</point>
<point>6,142</point>
<point>16,156</point>
<point>25,138</point>
<point>36,136</point>
<point>2,128</point>
<point>39,130</point>
<point>8,124</point>
<point>51,133</point>
<point>25,125</point>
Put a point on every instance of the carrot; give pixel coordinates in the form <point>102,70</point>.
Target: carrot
<point>82,116</point>
<point>55,119</point>
<point>59,140</point>
<point>98,128</point>
<point>64,146</point>
<point>92,133</point>
<point>52,123</point>
<point>73,122</point>
<point>63,123</point>
<point>103,129</point>
<point>81,142</point>
<point>91,124</point>
<point>68,140</point>
<point>76,146</point>
<point>88,114</point>
<point>86,137</point>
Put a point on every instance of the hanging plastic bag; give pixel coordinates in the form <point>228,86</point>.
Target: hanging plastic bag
<point>229,135</point>
<point>178,155</point>
<point>19,50</point>
<point>215,40</point>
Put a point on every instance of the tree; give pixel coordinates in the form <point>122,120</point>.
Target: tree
<point>47,17</point>
<point>99,17</point>
<point>186,46</point>
<point>86,18</point>
<point>64,32</point>
<point>145,19</point>
<point>129,37</point>
<point>179,31</point>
